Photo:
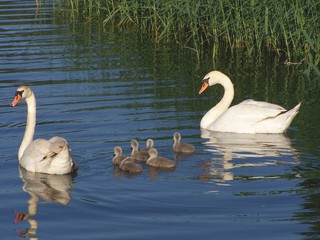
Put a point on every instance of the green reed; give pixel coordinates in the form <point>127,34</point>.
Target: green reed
<point>289,29</point>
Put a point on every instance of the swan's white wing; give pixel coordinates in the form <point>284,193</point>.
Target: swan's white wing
<point>48,156</point>
<point>41,148</point>
<point>244,117</point>
<point>57,144</point>
<point>264,105</point>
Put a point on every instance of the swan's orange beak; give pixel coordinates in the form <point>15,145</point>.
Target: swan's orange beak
<point>204,86</point>
<point>16,99</point>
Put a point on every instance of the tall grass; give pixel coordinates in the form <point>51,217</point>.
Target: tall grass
<point>289,29</point>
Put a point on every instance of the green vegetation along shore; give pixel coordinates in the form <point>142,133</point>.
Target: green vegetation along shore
<point>287,29</point>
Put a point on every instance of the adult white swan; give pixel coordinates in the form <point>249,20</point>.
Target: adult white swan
<point>44,156</point>
<point>248,116</point>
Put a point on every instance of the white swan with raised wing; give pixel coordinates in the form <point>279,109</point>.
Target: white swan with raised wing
<point>248,116</point>
<point>44,156</point>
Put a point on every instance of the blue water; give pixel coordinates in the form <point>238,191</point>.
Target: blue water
<point>100,88</point>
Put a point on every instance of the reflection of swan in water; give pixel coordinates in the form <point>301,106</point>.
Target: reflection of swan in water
<point>246,150</point>
<point>50,188</point>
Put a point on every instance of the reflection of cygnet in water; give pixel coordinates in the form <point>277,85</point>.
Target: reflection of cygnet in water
<point>51,188</point>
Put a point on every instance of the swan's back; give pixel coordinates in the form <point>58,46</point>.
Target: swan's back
<point>51,156</point>
<point>254,117</point>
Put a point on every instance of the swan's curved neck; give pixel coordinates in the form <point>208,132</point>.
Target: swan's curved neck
<point>31,124</point>
<point>222,106</point>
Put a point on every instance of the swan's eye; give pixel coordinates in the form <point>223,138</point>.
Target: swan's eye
<point>206,80</point>
<point>19,93</point>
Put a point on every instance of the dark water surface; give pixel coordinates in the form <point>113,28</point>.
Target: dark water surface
<point>98,89</point>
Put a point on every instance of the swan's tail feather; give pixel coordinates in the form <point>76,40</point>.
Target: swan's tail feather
<point>289,116</point>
